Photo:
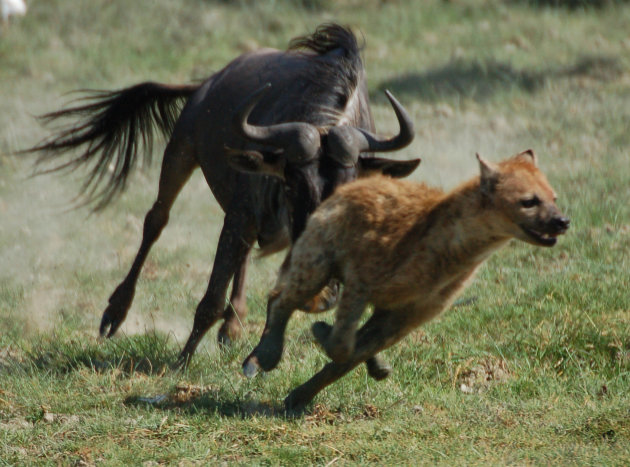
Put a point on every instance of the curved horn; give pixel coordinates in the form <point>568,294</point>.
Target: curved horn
<point>345,143</point>
<point>375,143</point>
<point>299,140</point>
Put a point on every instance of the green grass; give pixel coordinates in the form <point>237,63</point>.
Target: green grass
<point>533,368</point>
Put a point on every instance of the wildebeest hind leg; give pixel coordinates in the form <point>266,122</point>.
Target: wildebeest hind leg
<point>177,166</point>
<point>236,310</point>
<point>235,242</point>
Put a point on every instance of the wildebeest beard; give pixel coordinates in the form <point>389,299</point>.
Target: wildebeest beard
<point>309,185</point>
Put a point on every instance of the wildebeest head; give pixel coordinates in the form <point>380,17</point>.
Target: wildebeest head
<point>313,161</point>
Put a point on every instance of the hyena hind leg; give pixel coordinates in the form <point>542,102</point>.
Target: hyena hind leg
<point>377,367</point>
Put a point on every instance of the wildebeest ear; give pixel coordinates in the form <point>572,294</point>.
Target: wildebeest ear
<point>529,155</point>
<point>393,168</point>
<point>489,175</point>
<point>255,162</point>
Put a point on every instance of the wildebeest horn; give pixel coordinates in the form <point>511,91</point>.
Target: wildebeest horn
<point>299,140</point>
<point>345,142</point>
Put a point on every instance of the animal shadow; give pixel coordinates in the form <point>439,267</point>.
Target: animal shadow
<point>194,399</point>
<point>480,80</point>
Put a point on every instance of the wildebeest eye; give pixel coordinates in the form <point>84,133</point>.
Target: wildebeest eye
<point>530,202</point>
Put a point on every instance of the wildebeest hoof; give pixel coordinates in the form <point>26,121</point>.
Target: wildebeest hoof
<point>109,323</point>
<point>116,311</point>
<point>377,368</point>
<point>224,340</point>
<point>228,334</point>
<point>250,366</point>
<point>181,363</point>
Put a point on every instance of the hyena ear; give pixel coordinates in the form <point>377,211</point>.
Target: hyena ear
<point>528,155</point>
<point>489,175</point>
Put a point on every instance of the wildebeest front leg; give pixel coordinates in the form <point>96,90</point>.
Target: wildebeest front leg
<point>235,242</point>
<point>381,331</point>
<point>177,167</point>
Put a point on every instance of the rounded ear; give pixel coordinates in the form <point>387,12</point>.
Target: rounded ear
<point>489,175</point>
<point>397,169</point>
<point>255,162</point>
<point>529,155</point>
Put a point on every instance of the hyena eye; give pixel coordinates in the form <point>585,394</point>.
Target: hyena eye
<point>530,202</point>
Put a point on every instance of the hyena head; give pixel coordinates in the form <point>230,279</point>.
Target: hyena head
<point>523,199</point>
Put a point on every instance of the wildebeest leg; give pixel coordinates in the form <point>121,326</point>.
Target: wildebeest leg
<point>381,331</point>
<point>236,310</point>
<point>235,242</point>
<point>177,167</point>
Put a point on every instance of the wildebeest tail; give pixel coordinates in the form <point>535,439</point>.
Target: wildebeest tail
<point>109,128</point>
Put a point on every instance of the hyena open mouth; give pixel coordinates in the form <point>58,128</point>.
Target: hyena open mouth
<point>542,238</point>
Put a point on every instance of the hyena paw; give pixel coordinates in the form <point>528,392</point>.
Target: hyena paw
<point>265,356</point>
<point>378,368</point>
<point>321,331</point>
<point>250,366</point>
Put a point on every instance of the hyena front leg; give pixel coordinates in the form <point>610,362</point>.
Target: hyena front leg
<point>338,342</point>
<point>301,277</point>
<point>268,352</point>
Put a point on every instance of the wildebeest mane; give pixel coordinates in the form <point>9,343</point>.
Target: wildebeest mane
<point>334,76</point>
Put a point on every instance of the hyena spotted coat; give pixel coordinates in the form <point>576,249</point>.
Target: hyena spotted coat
<point>406,248</point>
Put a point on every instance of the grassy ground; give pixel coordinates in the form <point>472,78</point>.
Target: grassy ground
<point>533,369</point>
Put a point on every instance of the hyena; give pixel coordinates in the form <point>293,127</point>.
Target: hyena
<point>406,248</point>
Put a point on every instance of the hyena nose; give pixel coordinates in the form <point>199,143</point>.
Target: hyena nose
<point>561,224</point>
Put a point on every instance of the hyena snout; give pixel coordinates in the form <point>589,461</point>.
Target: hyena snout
<point>559,224</point>
<point>545,230</point>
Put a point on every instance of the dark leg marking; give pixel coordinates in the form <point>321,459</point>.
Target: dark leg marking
<point>177,168</point>
<point>236,310</point>
<point>235,242</point>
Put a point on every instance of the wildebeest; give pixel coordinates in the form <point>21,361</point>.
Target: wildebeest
<point>274,133</point>
<point>406,248</point>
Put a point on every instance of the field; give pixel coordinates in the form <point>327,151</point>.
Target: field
<point>531,367</point>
